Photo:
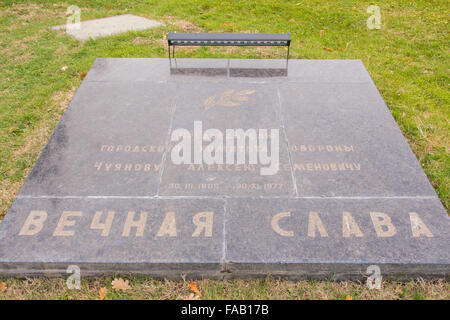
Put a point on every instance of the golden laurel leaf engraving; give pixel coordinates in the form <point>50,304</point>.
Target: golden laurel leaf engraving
<point>209,103</point>
<point>229,98</point>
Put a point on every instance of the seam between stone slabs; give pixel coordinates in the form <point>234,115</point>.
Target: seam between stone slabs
<point>225,197</point>
<point>268,80</point>
<point>174,107</point>
<point>294,180</point>
<point>224,237</point>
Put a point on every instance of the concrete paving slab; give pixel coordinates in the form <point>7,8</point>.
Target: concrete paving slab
<point>104,27</point>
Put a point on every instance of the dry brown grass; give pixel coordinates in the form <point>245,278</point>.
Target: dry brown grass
<point>61,99</point>
<point>183,25</point>
<point>31,11</point>
<point>145,288</point>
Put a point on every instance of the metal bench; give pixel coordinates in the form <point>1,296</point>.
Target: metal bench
<point>228,39</point>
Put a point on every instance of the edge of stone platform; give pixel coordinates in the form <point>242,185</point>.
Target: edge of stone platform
<point>337,271</point>
<point>230,270</point>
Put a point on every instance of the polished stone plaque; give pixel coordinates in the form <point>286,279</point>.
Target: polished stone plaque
<point>333,187</point>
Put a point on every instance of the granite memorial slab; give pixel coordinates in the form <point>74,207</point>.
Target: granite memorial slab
<point>222,168</point>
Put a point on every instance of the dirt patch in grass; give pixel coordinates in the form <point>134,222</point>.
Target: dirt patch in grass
<point>32,11</point>
<point>18,49</point>
<point>62,98</point>
<point>142,40</point>
<point>184,25</point>
<point>20,59</point>
<point>174,24</point>
<point>33,142</point>
<point>150,41</point>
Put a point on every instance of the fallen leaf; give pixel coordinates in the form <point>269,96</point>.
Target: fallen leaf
<point>329,49</point>
<point>347,297</point>
<point>321,32</point>
<point>107,7</point>
<point>102,293</point>
<point>82,75</point>
<point>292,20</point>
<point>193,288</point>
<point>120,284</point>
<point>2,286</point>
<point>190,297</point>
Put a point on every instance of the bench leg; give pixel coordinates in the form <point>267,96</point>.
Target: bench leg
<point>173,54</point>
<point>287,57</point>
<point>173,51</point>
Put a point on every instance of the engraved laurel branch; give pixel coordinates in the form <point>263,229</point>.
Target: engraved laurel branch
<point>229,98</point>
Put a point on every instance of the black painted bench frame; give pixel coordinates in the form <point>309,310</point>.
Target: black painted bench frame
<point>228,39</point>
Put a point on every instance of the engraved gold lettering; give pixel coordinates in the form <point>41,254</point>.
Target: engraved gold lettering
<point>276,227</point>
<point>65,221</point>
<point>203,221</point>
<point>34,223</point>
<point>138,224</point>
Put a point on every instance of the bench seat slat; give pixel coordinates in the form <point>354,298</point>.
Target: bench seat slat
<point>281,39</point>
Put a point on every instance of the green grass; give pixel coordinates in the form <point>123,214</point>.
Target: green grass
<point>408,58</point>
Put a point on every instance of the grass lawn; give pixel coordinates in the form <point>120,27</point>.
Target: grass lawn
<point>408,58</point>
